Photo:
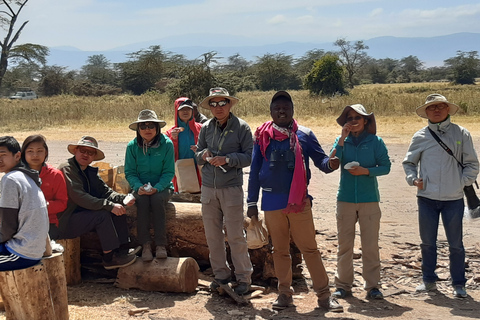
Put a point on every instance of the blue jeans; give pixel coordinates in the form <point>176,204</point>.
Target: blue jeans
<point>429,212</point>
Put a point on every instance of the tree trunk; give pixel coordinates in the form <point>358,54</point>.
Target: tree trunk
<point>165,275</point>
<point>58,284</point>
<point>71,260</point>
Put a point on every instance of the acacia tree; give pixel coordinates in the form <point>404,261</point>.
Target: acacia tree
<point>464,67</point>
<point>9,12</point>
<point>326,77</point>
<point>352,56</point>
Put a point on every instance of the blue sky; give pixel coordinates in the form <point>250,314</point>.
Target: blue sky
<point>96,25</point>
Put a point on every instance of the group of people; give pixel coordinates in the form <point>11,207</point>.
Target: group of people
<point>72,200</point>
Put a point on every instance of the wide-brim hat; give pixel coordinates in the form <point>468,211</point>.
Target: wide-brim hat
<point>371,126</point>
<point>436,98</point>
<point>87,141</point>
<point>218,92</point>
<point>147,116</point>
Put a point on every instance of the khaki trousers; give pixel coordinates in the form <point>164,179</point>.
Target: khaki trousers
<point>221,206</point>
<point>301,228</point>
<point>368,216</point>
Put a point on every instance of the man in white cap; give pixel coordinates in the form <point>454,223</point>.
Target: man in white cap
<point>92,205</point>
<point>440,177</point>
<point>225,147</point>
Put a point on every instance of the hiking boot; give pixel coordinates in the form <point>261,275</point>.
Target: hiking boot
<point>241,288</point>
<point>426,286</point>
<point>459,292</point>
<point>119,261</point>
<point>161,252</point>
<point>330,304</point>
<point>214,285</point>
<point>341,293</point>
<point>147,252</point>
<point>283,302</point>
<point>375,293</point>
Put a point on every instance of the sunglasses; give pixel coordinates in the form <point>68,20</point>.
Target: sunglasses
<point>436,107</point>
<point>350,119</point>
<point>221,103</point>
<point>90,153</point>
<point>144,126</point>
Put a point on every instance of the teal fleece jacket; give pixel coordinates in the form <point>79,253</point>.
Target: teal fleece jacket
<point>372,154</point>
<point>155,164</point>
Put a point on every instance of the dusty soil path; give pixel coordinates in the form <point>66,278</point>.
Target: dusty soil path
<point>399,241</point>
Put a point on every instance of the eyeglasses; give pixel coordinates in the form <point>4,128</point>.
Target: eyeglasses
<point>144,126</point>
<point>436,107</point>
<point>90,153</point>
<point>350,119</point>
<point>221,103</point>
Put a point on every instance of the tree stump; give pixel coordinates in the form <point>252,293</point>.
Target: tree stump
<point>58,284</point>
<point>26,294</point>
<point>165,275</point>
<point>71,260</point>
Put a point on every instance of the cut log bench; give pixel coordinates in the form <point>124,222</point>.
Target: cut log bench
<point>38,292</point>
<point>71,260</point>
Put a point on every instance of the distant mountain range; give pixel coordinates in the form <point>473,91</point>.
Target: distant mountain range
<point>432,51</point>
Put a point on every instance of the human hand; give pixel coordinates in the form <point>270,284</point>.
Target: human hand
<point>194,148</point>
<point>418,183</point>
<point>359,171</point>
<point>333,161</point>
<point>347,127</point>
<point>206,154</point>
<point>175,132</point>
<point>252,211</point>
<point>218,161</point>
<point>118,209</point>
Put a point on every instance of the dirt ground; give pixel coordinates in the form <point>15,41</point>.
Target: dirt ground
<point>400,253</point>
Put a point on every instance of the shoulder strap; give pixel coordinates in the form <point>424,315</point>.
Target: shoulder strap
<point>444,146</point>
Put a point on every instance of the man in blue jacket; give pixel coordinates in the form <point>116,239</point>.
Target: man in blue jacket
<point>280,166</point>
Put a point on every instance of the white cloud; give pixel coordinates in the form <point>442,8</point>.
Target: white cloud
<point>376,12</point>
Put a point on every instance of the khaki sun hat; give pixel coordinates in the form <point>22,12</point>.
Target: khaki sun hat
<point>436,98</point>
<point>217,92</point>
<point>87,141</point>
<point>371,126</point>
<point>147,116</point>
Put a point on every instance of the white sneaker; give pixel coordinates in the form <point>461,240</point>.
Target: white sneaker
<point>56,247</point>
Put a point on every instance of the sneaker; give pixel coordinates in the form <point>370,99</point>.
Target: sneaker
<point>375,293</point>
<point>459,292</point>
<point>283,302</point>
<point>330,304</point>
<point>119,261</point>
<point>341,293</point>
<point>135,250</point>
<point>214,285</point>
<point>426,286</point>
<point>161,252</point>
<point>241,288</point>
<point>147,252</point>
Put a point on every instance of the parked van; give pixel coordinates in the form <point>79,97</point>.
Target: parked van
<point>24,95</point>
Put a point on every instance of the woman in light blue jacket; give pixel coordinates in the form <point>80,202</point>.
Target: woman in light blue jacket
<point>363,156</point>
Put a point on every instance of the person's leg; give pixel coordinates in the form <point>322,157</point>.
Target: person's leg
<point>452,217</point>
<point>369,215</point>
<point>231,202</point>
<point>158,202</point>
<point>302,229</point>
<point>100,221</point>
<point>346,220</point>
<point>428,218</point>
<point>10,261</point>
<point>279,231</point>
<point>213,223</point>
<point>143,218</point>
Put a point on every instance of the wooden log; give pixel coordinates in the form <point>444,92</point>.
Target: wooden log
<point>165,275</point>
<point>58,284</point>
<point>71,260</point>
<point>26,294</point>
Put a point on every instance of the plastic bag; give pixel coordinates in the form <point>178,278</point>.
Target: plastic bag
<point>257,235</point>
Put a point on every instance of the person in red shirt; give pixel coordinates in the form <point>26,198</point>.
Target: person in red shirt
<point>34,155</point>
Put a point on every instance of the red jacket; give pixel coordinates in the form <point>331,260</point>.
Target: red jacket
<point>55,191</point>
<point>194,126</point>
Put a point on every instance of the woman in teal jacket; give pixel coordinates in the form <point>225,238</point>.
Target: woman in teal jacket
<point>149,169</point>
<point>363,156</point>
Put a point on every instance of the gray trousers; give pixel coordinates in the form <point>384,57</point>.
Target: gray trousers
<point>152,208</point>
<point>219,207</point>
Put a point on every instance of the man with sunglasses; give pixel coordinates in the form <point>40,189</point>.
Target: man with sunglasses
<point>225,147</point>
<point>440,179</point>
<point>92,205</point>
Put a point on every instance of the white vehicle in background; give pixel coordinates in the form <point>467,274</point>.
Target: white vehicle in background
<point>24,95</point>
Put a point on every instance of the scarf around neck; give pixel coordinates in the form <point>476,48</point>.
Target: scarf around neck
<point>298,188</point>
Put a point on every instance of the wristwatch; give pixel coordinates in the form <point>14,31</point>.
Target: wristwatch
<point>227,159</point>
